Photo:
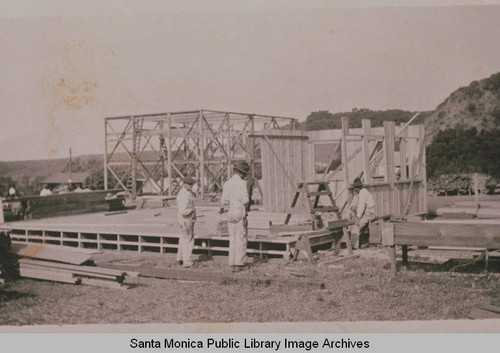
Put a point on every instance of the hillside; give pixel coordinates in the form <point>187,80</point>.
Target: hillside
<point>324,120</point>
<point>477,105</point>
<point>37,169</point>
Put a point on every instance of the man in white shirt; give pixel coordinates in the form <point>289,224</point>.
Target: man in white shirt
<point>186,216</point>
<point>45,191</point>
<point>12,191</point>
<point>362,210</point>
<point>235,197</point>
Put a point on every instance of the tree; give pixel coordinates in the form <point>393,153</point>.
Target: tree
<point>460,150</point>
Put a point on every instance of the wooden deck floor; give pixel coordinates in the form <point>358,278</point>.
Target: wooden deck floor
<point>153,230</point>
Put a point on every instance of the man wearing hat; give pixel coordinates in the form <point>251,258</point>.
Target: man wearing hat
<point>235,198</point>
<point>362,210</point>
<point>186,216</point>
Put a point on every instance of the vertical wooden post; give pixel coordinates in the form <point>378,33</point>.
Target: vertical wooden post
<point>252,156</point>
<point>405,256</point>
<point>366,125</point>
<point>387,232</point>
<point>345,131</point>
<point>402,155</point>
<point>476,195</point>
<point>201,147</point>
<point>392,258</point>
<point>162,159</point>
<point>134,159</point>
<point>228,146</point>
<point>105,154</point>
<point>169,154</point>
<point>423,176</point>
<point>389,129</point>
<point>2,219</point>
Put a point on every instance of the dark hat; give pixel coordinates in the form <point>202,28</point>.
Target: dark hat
<point>242,167</point>
<point>189,181</point>
<point>357,184</point>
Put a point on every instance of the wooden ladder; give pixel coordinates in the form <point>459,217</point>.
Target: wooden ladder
<point>313,196</point>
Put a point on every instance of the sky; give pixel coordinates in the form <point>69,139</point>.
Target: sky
<point>66,65</point>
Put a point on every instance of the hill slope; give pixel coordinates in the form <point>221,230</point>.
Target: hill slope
<point>477,105</point>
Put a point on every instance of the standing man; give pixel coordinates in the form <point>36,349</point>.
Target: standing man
<point>186,216</point>
<point>12,192</point>
<point>235,197</point>
<point>45,191</point>
<point>362,210</point>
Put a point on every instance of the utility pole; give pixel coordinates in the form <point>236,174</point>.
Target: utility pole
<point>70,170</point>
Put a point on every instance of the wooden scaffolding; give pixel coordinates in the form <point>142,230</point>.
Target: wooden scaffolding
<point>160,149</point>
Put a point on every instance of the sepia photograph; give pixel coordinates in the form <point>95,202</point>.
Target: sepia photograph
<point>250,166</point>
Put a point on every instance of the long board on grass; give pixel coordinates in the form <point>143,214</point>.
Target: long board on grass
<point>52,252</point>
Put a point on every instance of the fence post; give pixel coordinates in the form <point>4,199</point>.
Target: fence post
<point>2,219</point>
<point>476,194</point>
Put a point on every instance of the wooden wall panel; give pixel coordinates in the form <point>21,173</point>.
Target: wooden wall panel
<point>285,161</point>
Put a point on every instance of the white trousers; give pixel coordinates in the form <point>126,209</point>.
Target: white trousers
<point>238,239</point>
<point>363,221</point>
<point>186,242</point>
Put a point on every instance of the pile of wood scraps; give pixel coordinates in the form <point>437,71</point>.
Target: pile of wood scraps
<point>66,265</point>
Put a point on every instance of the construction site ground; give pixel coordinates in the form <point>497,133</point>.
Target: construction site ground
<point>354,289</point>
<point>358,288</point>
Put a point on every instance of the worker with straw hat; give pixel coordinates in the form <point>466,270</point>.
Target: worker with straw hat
<point>186,216</point>
<point>235,198</point>
<point>362,210</point>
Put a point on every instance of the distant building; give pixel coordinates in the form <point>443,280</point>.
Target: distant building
<point>58,179</point>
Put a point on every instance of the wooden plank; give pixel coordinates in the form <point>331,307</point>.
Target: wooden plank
<point>366,126</point>
<point>70,272</point>
<point>480,314</point>
<point>337,259</point>
<point>79,269</point>
<point>325,209</point>
<point>50,252</point>
<point>47,275</point>
<point>345,162</point>
<point>279,137</point>
<point>102,283</point>
<point>297,211</point>
<point>242,278</point>
<point>275,229</point>
<point>389,129</point>
<point>337,224</point>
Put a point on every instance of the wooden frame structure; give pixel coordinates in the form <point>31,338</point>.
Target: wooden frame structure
<point>390,161</point>
<point>161,149</point>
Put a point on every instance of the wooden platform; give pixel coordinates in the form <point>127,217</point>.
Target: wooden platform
<point>153,230</point>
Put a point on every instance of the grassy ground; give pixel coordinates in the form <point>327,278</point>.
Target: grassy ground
<point>355,289</point>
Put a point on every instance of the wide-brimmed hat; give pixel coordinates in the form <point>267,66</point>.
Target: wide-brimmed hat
<point>189,181</point>
<point>242,167</point>
<point>357,184</point>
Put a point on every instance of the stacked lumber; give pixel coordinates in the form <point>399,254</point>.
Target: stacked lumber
<point>487,209</point>
<point>75,274</point>
<point>66,265</point>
